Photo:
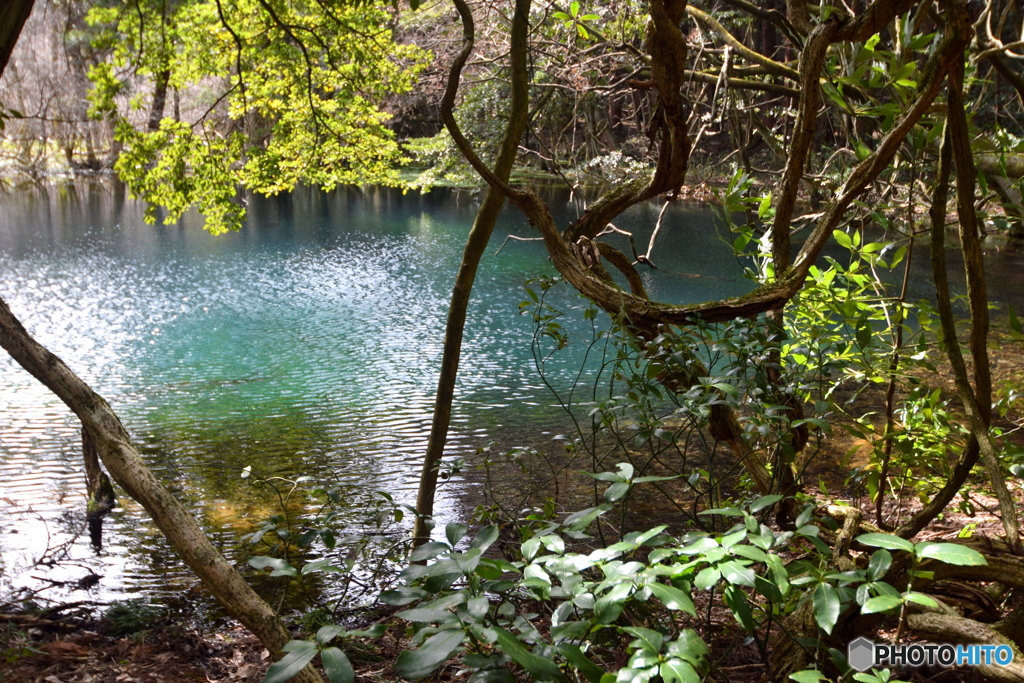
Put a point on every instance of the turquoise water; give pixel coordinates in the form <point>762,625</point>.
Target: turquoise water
<point>308,343</point>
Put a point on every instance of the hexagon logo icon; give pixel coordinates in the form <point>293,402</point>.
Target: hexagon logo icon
<point>860,654</point>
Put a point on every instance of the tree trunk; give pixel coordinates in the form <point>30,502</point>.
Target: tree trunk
<point>475,245</point>
<point>13,15</point>
<point>121,458</point>
<point>156,112</point>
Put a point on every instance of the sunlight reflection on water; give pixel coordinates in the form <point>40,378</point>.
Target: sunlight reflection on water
<point>306,344</point>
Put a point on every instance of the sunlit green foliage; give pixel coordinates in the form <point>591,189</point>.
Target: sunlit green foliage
<point>295,93</point>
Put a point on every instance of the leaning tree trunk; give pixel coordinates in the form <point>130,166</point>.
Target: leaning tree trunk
<point>122,460</point>
<point>106,435</point>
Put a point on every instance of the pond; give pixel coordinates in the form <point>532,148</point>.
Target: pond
<point>308,343</point>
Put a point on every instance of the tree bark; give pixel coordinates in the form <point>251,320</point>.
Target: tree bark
<point>101,493</point>
<point>122,460</point>
<point>13,15</point>
<point>156,112</point>
<point>978,404</point>
<point>480,234</point>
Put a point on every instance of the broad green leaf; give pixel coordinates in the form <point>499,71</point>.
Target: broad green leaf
<point>574,655</point>
<point>951,553</point>
<point>706,578</point>
<point>768,589</point>
<point>764,501</point>
<point>651,640</point>
<point>737,601</point>
<point>553,543</point>
<point>328,633</point>
<point>436,610</point>
<point>826,606</point>
<point>617,491</point>
<point>434,651</point>
<point>279,566</point>
<point>690,647</point>
<point>736,573</point>
<point>678,671</point>
<point>921,599</point>
<point>541,668</point>
<point>607,610</point>
<point>454,532</point>
<point>673,598</point>
<point>808,676</point>
<point>880,562</point>
<point>886,541</point>
<point>842,239</point>
<point>750,552</point>
<point>300,653</point>
<point>323,565</point>
<point>485,537</point>
<point>499,675</point>
<point>403,595</point>
<point>880,603</point>
<point>728,512</point>
<point>582,519</point>
<point>336,666</point>
<point>478,607</point>
<point>428,551</point>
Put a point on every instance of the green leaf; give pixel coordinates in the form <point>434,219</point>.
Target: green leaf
<point>323,565</point>
<point>842,239</point>
<point>328,633</point>
<point>808,676</point>
<point>279,566</point>
<point>617,491</point>
<point>574,655</point>
<point>880,562</point>
<point>499,675</point>
<point>578,521</point>
<point>707,578</point>
<point>826,607</point>
<point>336,666</point>
<point>921,599</point>
<point>880,603</point>
<point>437,610</point>
<point>607,610</point>
<point>678,671</point>
<point>736,573</point>
<point>764,501</point>
<point>652,640</point>
<point>886,541</point>
<point>403,595</point>
<point>951,553</point>
<point>485,537</point>
<point>690,647</point>
<point>768,589</point>
<point>428,551</point>
<point>454,532</point>
<point>300,653</point>
<point>541,668</point>
<point>673,598</point>
<point>737,601</point>
<point>728,512</point>
<point>561,16</point>
<point>434,651</point>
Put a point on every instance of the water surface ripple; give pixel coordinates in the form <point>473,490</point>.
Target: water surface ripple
<point>306,344</point>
